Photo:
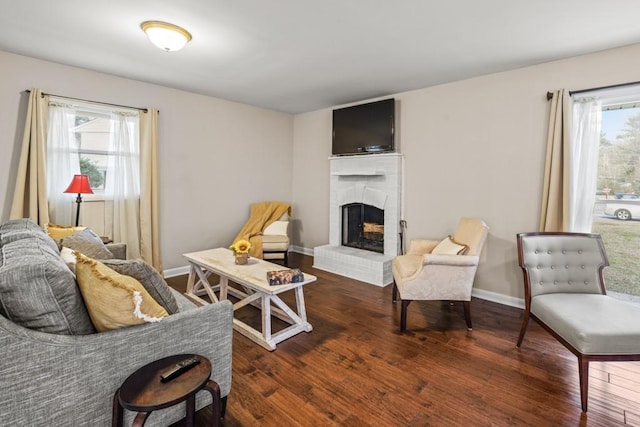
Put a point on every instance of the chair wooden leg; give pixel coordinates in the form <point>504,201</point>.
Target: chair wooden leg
<point>223,407</point>
<point>523,328</point>
<point>286,259</point>
<point>467,313</point>
<point>403,315</point>
<point>394,296</point>
<point>583,373</point>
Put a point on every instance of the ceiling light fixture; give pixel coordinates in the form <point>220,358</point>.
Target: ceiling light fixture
<point>166,36</point>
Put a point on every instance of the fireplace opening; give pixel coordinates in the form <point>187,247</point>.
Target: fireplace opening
<point>363,227</point>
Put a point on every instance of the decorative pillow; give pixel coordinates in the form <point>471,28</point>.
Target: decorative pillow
<point>87,243</point>
<point>114,300</point>
<point>69,258</point>
<point>38,291</point>
<point>276,228</point>
<point>149,278</point>
<point>58,232</point>
<point>450,247</point>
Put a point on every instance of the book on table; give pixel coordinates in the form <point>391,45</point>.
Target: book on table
<point>283,277</point>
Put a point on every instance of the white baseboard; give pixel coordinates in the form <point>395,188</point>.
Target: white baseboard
<point>178,271</point>
<point>498,298</point>
<point>301,250</point>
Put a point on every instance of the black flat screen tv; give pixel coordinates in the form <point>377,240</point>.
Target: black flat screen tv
<point>364,129</point>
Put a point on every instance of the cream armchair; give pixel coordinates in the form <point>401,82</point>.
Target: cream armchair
<point>440,270</point>
<point>275,240</point>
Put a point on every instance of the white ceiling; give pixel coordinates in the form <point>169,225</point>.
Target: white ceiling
<point>302,55</point>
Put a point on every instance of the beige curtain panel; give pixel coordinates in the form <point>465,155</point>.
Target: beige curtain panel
<point>554,214</point>
<point>30,195</point>
<point>149,221</point>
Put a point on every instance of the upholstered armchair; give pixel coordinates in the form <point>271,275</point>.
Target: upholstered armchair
<point>440,269</point>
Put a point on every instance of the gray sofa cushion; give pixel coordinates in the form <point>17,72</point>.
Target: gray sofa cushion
<point>22,228</point>
<point>19,224</point>
<point>149,278</point>
<point>37,289</point>
<point>87,243</point>
<point>15,235</point>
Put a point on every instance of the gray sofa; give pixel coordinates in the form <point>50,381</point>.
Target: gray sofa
<point>67,376</point>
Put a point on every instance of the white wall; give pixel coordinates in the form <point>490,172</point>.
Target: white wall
<point>216,156</point>
<point>472,148</point>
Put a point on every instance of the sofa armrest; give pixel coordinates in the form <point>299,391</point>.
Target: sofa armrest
<point>119,250</point>
<point>63,380</point>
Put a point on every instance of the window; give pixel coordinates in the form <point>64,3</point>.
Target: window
<point>616,211</point>
<point>103,143</point>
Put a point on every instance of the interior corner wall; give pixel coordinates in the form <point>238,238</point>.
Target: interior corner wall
<point>472,148</point>
<point>215,156</point>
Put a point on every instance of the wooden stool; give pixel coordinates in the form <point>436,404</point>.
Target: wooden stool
<point>143,391</point>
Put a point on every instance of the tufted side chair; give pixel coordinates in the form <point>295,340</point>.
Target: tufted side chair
<point>565,293</point>
<point>424,275</point>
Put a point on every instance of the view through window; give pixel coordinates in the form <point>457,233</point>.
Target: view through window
<point>103,143</point>
<point>617,211</point>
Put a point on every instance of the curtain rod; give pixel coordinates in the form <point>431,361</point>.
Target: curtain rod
<point>93,102</point>
<point>573,92</point>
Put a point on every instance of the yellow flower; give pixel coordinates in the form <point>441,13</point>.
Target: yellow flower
<point>241,247</point>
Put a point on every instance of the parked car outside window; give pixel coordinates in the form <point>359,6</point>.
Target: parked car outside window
<point>625,196</point>
<point>623,210</point>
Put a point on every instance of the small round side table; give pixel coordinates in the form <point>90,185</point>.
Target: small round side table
<point>143,391</point>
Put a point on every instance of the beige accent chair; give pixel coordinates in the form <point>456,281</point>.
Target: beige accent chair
<point>275,240</point>
<point>426,276</point>
<point>565,293</point>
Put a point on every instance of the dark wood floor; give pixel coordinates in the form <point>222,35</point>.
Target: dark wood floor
<point>356,369</point>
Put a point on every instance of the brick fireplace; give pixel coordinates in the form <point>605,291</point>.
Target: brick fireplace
<point>375,181</point>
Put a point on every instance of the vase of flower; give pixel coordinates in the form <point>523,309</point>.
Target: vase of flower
<point>242,259</point>
<point>241,251</point>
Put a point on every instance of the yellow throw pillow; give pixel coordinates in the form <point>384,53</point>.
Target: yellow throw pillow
<point>450,247</point>
<point>58,232</point>
<point>114,300</point>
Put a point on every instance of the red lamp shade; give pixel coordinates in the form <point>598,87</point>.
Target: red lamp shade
<point>80,185</point>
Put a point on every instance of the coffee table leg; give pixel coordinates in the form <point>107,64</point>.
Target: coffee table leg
<point>118,412</point>
<point>213,388</point>
<point>266,317</point>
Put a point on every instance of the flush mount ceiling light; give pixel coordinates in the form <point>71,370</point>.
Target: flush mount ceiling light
<point>166,36</point>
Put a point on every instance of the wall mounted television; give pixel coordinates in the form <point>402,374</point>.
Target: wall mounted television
<point>364,129</point>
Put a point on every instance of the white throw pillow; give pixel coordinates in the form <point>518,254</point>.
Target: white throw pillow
<point>69,258</point>
<point>450,247</point>
<point>276,228</point>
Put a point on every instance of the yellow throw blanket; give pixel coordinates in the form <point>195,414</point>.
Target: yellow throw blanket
<point>262,215</point>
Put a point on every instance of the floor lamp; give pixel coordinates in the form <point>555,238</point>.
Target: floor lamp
<point>80,185</point>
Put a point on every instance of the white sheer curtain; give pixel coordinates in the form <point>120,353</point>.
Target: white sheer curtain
<point>584,147</point>
<point>62,154</point>
<point>123,180</point>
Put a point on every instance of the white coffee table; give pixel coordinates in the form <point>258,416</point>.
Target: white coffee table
<point>252,277</point>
